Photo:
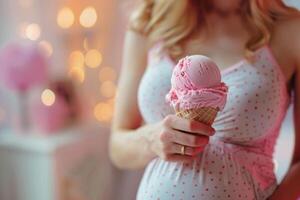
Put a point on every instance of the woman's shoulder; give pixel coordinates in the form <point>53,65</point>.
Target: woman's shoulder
<point>287,33</point>
<point>137,39</point>
<point>285,43</point>
<point>135,51</point>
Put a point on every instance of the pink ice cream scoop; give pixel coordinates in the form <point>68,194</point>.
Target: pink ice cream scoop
<point>196,82</point>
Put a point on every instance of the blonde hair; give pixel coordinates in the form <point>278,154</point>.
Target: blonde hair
<point>175,20</point>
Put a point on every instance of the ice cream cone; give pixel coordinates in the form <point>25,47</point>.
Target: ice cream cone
<point>197,91</point>
<point>204,115</point>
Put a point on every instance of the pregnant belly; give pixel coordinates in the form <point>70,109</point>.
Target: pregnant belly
<point>214,174</point>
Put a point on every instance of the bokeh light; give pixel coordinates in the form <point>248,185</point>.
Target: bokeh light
<point>46,47</point>
<point>107,74</point>
<point>33,31</point>
<point>77,74</point>
<point>88,17</point>
<point>48,97</point>
<point>93,58</point>
<point>103,112</point>
<point>65,18</point>
<point>76,59</point>
<point>108,89</point>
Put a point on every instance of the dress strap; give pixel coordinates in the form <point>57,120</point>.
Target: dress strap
<point>155,52</point>
<point>156,47</point>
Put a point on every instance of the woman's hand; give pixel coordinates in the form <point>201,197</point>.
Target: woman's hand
<point>172,133</point>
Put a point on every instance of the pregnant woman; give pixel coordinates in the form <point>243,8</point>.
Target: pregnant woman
<point>256,43</point>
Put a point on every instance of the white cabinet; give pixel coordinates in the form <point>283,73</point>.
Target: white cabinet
<point>70,165</point>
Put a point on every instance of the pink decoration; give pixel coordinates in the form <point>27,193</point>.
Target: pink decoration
<point>22,65</point>
<point>50,118</point>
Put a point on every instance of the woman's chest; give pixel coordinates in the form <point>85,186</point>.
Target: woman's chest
<point>154,86</point>
<point>256,101</point>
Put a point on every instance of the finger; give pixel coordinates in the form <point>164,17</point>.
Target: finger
<point>186,125</point>
<point>190,151</point>
<point>188,139</point>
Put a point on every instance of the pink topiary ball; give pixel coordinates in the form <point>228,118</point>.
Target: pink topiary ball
<point>22,65</point>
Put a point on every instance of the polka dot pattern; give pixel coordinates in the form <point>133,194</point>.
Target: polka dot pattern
<point>237,163</point>
<point>154,85</point>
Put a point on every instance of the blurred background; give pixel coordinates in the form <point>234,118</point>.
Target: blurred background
<point>59,66</point>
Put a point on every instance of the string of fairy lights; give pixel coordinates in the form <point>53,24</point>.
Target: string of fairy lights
<point>78,59</point>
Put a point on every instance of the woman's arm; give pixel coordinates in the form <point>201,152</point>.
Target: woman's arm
<point>289,188</point>
<point>126,115</point>
<point>132,144</point>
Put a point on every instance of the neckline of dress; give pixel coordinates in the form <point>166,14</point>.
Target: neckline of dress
<point>265,47</point>
<point>230,67</point>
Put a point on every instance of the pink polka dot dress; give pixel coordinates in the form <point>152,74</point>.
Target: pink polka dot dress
<point>237,163</point>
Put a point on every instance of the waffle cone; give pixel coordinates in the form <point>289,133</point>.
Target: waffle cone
<point>204,115</point>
